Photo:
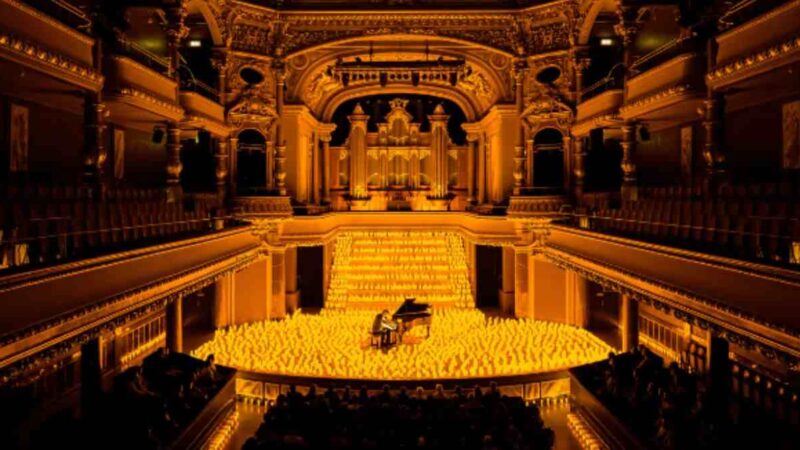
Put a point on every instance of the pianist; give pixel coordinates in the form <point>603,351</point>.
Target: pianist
<point>388,326</point>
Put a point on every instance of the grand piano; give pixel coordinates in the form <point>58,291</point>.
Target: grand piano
<point>411,314</point>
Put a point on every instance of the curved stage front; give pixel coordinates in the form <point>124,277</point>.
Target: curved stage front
<point>526,357</point>
<point>264,387</point>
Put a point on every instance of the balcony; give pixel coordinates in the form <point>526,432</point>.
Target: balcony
<point>670,88</point>
<point>202,107</point>
<point>745,298</point>
<point>599,110</point>
<point>763,44</point>
<point>90,292</point>
<point>138,93</point>
<point>34,39</point>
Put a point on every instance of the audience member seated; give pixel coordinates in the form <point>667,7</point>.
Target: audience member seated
<point>669,408</point>
<point>481,421</point>
<point>151,404</point>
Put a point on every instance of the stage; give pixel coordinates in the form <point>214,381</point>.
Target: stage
<point>465,345</point>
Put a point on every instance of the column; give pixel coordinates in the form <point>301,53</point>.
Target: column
<point>327,260</point>
<point>566,147</point>
<point>91,377</point>
<point>358,153</point>
<point>223,301</point>
<point>280,143</point>
<point>577,299</point>
<point>628,323</point>
<point>519,149</point>
<point>581,63</point>
<point>316,181</point>
<point>174,165</point>
<point>713,154</point>
<point>175,325</point>
<point>472,148</point>
<point>233,149</point>
<point>578,167</point>
<point>629,182</point>
<point>276,286</point>
<point>529,162</point>
<point>292,292</point>
<point>219,61</point>
<point>482,170</point>
<point>221,172</point>
<point>326,168</point>
<point>507,292</point>
<point>94,150</point>
<point>523,295</point>
<point>439,142</point>
<point>473,268</point>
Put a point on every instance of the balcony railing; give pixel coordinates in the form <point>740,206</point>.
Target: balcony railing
<point>143,56</point>
<point>664,53</point>
<point>64,12</point>
<point>745,10</point>
<point>194,85</point>
<point>610,82</point>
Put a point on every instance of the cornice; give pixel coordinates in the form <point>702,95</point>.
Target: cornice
<point>766,17</point>
<point>144,100</point>
<point>658,100</point>
<point>755,63</point>
<point>598,121</point>
<point>51,21</point>
<point>39,57</point>
<point>34,277</point>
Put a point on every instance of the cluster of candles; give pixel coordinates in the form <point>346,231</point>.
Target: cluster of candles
<point>463,343</point>
<point>387,267</point>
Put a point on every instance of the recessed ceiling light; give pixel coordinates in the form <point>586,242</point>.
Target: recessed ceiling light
<point>195,43</point>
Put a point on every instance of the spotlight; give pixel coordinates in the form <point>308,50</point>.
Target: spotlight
<point>644,134</point>
<point>195,43</point>
<point>158,135</point>
<point>606,42</point>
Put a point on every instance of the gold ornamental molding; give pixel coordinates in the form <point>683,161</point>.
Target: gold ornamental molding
<point>755,64</point>
<point>538,29</point>
<point>140,99</point>
<point>660,99</point>
<point>216,128</point>
<point>600,121</point>
<point>40,58</point>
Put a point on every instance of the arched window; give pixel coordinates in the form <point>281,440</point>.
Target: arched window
<point>251,163</point>
<point>548,159</point>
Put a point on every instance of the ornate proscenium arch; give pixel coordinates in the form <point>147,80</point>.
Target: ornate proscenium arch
<point>469,75</point>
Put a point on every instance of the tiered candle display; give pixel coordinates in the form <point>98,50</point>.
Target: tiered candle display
<point>380,269</point>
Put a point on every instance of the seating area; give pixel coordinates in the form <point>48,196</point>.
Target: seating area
<point>47,224</point>
<point>755,221</point>
<point>151,405</point>
<point>404,420</point>
<point>671,408</point>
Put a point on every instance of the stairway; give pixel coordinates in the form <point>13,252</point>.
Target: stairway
<point>378,270</point>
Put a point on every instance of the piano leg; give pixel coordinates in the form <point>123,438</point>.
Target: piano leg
<point>428,327</point>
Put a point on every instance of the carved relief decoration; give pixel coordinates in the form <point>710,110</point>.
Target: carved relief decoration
<point>536,30</point>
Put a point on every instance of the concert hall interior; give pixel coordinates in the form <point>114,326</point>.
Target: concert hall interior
<point>399,224</point>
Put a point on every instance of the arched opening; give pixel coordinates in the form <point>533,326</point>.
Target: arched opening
<point>603,163</point>
<point>548,159</point>
<point>197,156</point>
<point>251,163</point>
